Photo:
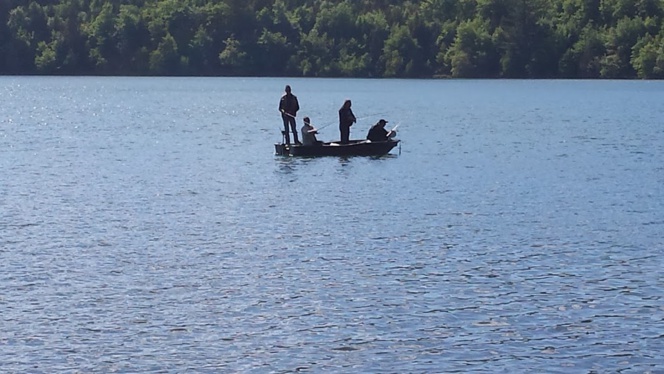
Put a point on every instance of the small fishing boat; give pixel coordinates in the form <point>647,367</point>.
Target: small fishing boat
<point>360,147</point>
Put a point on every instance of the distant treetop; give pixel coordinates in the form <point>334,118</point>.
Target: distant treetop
<point>322,38</point>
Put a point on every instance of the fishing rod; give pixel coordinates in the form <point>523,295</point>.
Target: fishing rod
<point>288,114</point>
<point>310,124</point>
<point>357,119</point>
<point>322,127</point>
<point>284,131</point>
<point>331,123</point>
<point>393,129</point>
<point>370,115</point>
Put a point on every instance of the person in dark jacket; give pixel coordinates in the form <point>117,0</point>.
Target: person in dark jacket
<point>377,133</point>
<point>346,120</point>
<point>288,106</point>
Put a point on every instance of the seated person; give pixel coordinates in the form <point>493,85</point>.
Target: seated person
<point>377,133</point>
<point>309,133</point>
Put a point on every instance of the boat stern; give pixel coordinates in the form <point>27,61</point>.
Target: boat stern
<point>281,149</point>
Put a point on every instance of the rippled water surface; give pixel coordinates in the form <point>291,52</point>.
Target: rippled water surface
<point>147,226</point>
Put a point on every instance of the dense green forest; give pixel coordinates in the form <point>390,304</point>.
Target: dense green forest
<point>351,38</point>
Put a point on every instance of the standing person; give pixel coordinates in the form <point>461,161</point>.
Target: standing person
<point>377,133</point>
<point>309,133</point>
<point>346,120</point>
<point>288,106</point>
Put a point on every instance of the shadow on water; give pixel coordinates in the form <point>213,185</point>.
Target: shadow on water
<point>288,164</point>
<point>348,159</point>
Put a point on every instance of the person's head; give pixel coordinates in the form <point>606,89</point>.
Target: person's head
<point>347,103</point>
<point>307,121</point>
<point>288,89</point>
<point>382,122</point>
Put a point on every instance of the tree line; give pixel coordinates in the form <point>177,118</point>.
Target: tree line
<point>323,38</point>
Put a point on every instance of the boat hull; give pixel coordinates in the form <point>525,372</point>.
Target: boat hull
<point>353,148</point>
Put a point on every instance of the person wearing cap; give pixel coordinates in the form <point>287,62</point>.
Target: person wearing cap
<point>346,120</point>
<point>309,133</point>
<point>288,106</point>
<point>377,133</point>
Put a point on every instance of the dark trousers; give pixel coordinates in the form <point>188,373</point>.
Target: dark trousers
<point>290,120</point>
<point>345,134</point>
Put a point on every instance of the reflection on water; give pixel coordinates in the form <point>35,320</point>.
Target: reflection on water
<point>147,226</point>
<point>287,164</point>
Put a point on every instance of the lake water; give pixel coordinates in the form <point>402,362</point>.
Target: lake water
<point>147,226</point>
